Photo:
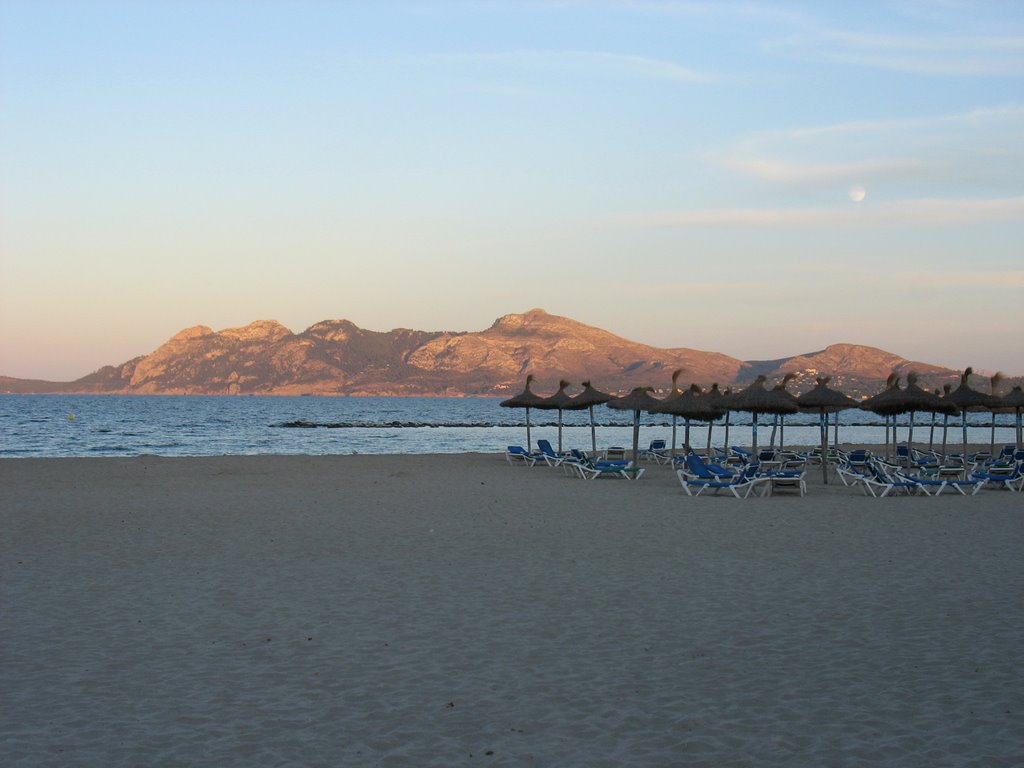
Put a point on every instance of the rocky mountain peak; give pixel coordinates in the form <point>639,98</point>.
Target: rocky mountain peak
<point>339,357</point>
<point>195,332</point>
<point>259,330</point>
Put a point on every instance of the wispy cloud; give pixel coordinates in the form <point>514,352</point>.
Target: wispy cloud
<point>965,55</point>
<point>899,213</point>
<point>603,64</point>
<point>957,148</point>
<point>768,169</point>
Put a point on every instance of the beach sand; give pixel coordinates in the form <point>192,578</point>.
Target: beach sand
<point>454,610</point>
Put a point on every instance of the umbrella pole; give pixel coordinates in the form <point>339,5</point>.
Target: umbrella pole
<point>636,438</point>
<point>686,435</point>
<point>672,453</point>
<point>835,431</point>
<point>945,434</point>
<point>593,431</point>
<point>529,445</point>
<point>775,428</point>
<point>931,435</point>
<point>992,438</point>
<point>1019,430</point>
<point>963,426</point>
<point>559,430</point>
<point>782,431</point>
<point>727,414</point>
<point>711,425</point>
<point>910,436</point>
<point>823,429</point>
<point>753,431</point>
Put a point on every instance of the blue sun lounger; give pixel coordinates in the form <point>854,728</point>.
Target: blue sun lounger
<point>740,486</point>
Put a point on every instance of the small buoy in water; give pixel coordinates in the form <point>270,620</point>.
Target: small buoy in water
<point>71,417</point>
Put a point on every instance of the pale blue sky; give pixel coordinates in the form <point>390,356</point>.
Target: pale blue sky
<point>755,178</point>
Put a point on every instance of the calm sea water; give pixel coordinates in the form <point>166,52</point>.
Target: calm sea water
<point>111,425</point>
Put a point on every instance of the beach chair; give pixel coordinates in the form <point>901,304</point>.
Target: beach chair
<point>903,457</point>
<point>656,451</point>
<point>516,454</point>
<point>720,455</point>
<point>880,483</point>
<point>852,471</point>
<point>1011,481</point>
<point>698,469</point>
<point>615,453</point>
<point>591,470</point>
<point>1006,453</point>
<point>548,454</point>
<point>740,486</point>
<point>787,481</point>
<point>927,461</point>
<point>743,454</point>
<point>941,483</point>
<point>793,464</point>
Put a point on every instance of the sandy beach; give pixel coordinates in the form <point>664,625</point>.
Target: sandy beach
<point>454,610</point>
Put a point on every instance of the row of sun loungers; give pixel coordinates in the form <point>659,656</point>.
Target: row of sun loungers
<point>741,474</point>
<point>876,477</point>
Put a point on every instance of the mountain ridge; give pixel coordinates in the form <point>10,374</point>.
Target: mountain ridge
<point>337,357</point>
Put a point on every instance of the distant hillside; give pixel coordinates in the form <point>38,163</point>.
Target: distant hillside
<point>336,357</point>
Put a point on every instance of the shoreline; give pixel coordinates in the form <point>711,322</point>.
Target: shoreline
<point>446,609</point>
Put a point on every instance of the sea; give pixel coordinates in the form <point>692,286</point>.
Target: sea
<point>136,425</point>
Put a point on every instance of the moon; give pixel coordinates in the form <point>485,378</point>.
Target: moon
<point>858,193</point>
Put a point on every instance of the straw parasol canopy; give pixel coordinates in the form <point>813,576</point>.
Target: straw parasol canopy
<point>966,398</point>
<point>674,395</point>
<point>888,402</point>
<point>824,399</point>
<point>560,402</point>
<point>525,399</point>
<point>916,399</point>
<point>780,418</point>
<point>1014,401</point>
<point>588,398</point>
<point>690,404</point>
<point>755,400</point>
<point>636,401</point>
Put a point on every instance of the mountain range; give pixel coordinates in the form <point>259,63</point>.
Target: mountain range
<point>336,357</point>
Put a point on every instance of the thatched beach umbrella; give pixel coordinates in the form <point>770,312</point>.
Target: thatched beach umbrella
<point>674,394</point>
<point>946,389</point>
<point>887,403</point>
<point>707,407</point>
<point>780,418</point>
<point>1014,400</point>
<point>965,398</point>
<point>636,401</point>
<point>824,399</point>
<point>755,400</point>
<point>690,404</point>
<point>560,402</point>
<point>588,398</point>
<point>916,399</point>
<point>525,399</point>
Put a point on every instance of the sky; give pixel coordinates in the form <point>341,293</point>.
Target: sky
<point>760,179</point>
